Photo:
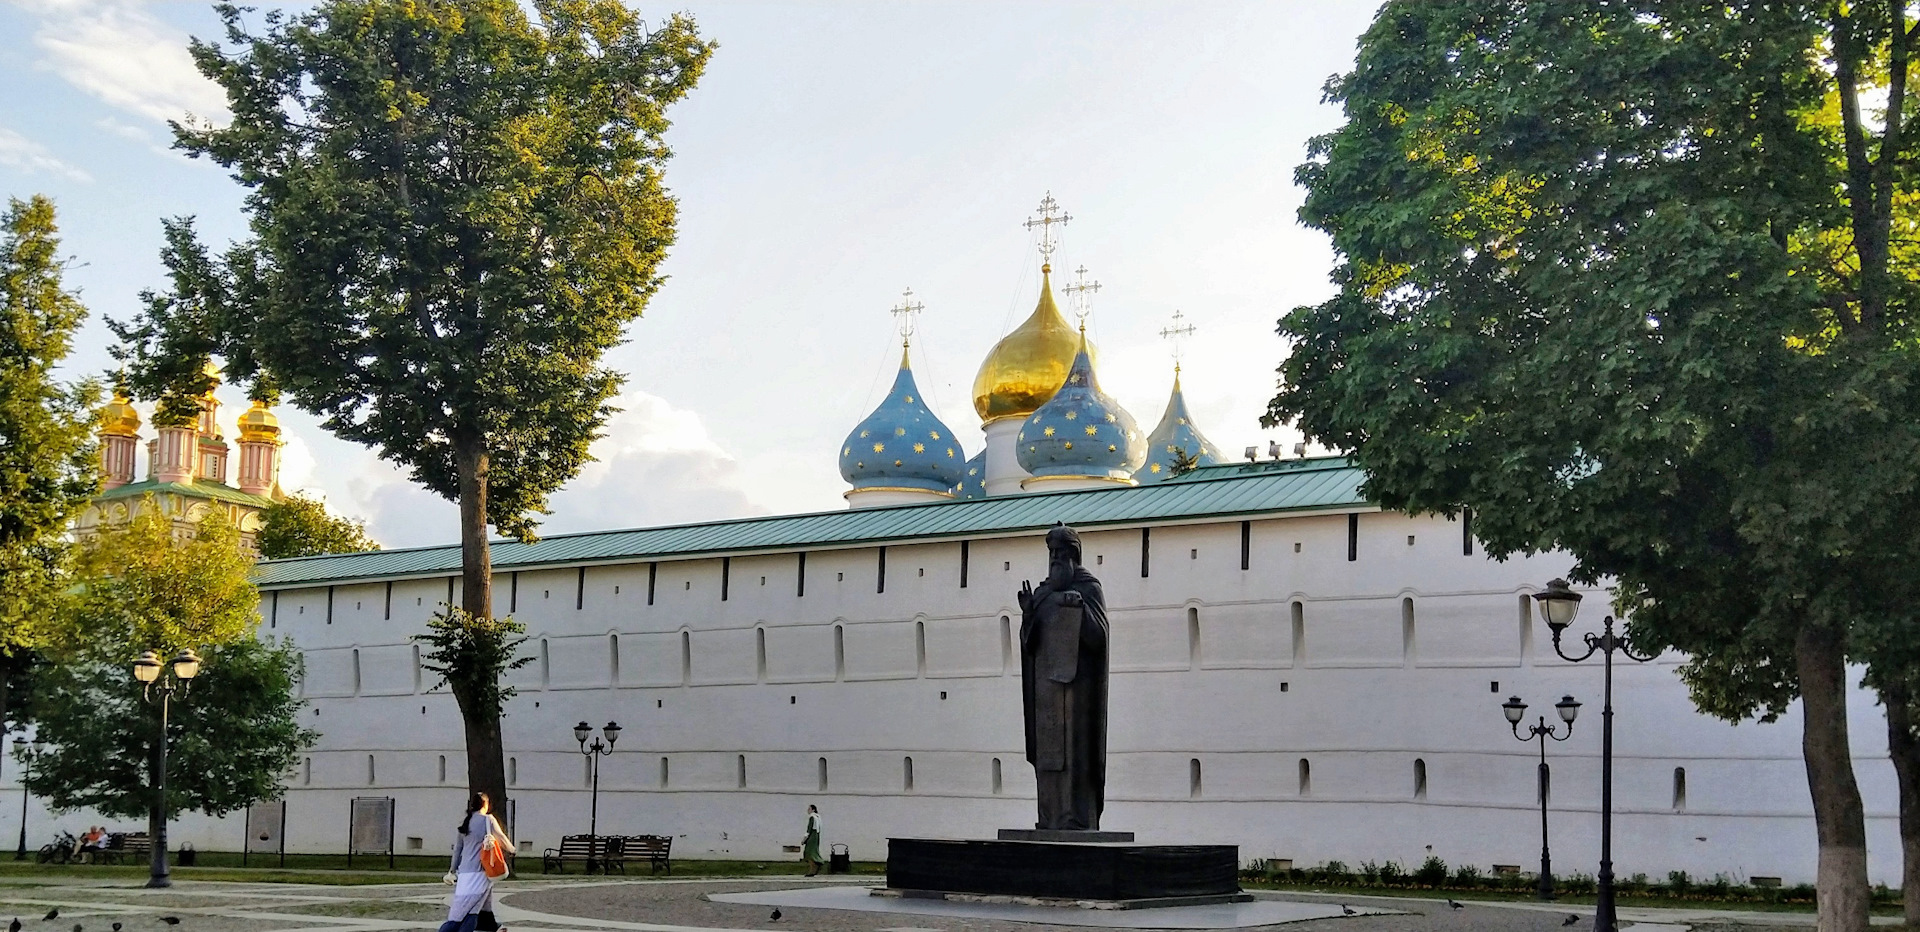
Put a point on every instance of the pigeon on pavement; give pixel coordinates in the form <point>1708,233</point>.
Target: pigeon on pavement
<point>52,914</point>
<point>776,916</point>
<point>1452,905</point>
<point>14,926</point>
<point>1570,920</point>
<point>1346,910</point>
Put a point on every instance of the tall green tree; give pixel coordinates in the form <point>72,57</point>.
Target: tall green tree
<point>49,466</point>
<point>1634,280</point>
<point>301,526</point>
<point>456,206</point>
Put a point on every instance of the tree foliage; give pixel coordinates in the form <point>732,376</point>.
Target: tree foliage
<point>1635,281</point>
<point>137,587</point>
<point>301,526</point>
<point>48,462</point>
<point>468,653</point>
<point>232,736</point>
<point>456,206</point>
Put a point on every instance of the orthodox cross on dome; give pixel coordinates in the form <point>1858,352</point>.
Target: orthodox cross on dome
<point>905,311</point>
<point>1082,292</point>
<point>1177,333</point>
<point>1046,220</point>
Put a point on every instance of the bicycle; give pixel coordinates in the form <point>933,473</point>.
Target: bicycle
<point>58,851</point>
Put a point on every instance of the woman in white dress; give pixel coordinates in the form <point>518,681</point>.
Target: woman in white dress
<point>472,888</point>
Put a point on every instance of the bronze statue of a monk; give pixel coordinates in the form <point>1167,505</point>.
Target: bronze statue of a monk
<point>1063,686</point>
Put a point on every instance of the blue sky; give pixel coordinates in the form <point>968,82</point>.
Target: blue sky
<point>834,155</point>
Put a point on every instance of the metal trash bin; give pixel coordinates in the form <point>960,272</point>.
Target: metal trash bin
<point>184,855</point>
<point>839,861</point>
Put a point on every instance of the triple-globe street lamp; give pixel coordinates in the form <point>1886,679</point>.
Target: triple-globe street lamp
<point>1516,710</point>
<point>149,671</point>
<point>25,753</point>
<point>1558,606</point>
<point>593,753</point>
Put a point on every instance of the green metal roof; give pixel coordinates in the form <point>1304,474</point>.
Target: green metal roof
<point>198,488</point>
<point>1209,492</point>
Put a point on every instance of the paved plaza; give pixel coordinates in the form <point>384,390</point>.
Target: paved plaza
<point>707,905</point>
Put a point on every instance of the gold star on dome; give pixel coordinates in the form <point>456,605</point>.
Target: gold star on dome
<point>863,435</point>
<point>909,399</point>
<point>1073,415</point>
<point>1073,379</point>
<point>933,434</point>
<point>919,448</point>
<point>1091,430</point>
<point>1112,449</point>
<point>1181,420</point>
<point>949,453</point>
<point>1048,432</point>
<point>899,432</point>
<point>1109,418</point>
<point>847,452</point>
<point>1154,468</point>
<point>1069,444</point>
<point>878,447</point>
<point>896,462</point>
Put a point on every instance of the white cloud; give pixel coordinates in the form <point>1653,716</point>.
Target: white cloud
<point>23,154</point>
<point>120,52</point>
<point>656,465</point>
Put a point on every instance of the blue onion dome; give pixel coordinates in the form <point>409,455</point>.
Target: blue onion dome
<point>1175,434</point>
<point>974,484</point>
<point>1080,431</point>
<point>902,445</point>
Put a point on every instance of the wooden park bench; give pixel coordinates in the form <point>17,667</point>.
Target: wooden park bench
<point>657,849</point>
<point>125,848</point>
<point>607,854</point>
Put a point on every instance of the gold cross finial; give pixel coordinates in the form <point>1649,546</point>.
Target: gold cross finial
<point>905,311</point>
<point>1082,292</point>
<point>1177,334</point>
<point>1046,220</point>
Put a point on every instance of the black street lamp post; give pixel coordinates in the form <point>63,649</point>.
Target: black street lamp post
<point>148,671</point>
<point>593,753</point>
<point>25,755</point>
<point>1515,711</point>
<point>1558,605</point>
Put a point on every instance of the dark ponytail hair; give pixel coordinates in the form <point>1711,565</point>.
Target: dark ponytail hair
<point>475,802</point>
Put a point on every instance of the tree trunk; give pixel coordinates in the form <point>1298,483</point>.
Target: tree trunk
<point>486,758</point>
<point>1904,747</point>
<point>1839,817</point>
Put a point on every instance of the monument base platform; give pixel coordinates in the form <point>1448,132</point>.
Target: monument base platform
<point>1115,874</point>
<point>1078,836</point>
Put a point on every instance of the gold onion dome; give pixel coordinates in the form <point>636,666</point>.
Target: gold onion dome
<point>259,425</point>
<point>119,419</point>
<point>1028,365</point>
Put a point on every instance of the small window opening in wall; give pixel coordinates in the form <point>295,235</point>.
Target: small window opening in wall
<point>1407,643</point>
<point>1526,625</point>
<point>513,771</point>
<point>1099,559</point>
<point>1493,686</point>
<point>546,593</point>
<point>996,776</point>
<point>1193,778</point>
<point>616,590</point>
<point>1296,546</point>
<point>740,771</point>
<point>839,652</point>
<point>920,648</point>
<point>964,555</point>
<point>1193,553</point>
<point>417,600</point>
<point>1306,778</point>
<point>760,653</point>
<point>763,580</point>
<point>1246,544</point>
<point>906,773</point>
<point>1193,638</point>
<point>1283,685</point>
<point>443,768</point>
<point>659,703</point>
<point>663,773</point>
<point>415,843</point>
<point>1146,549</point>
<point>653,576</point>
<point>356,605</point>
<point>1409,540</point>
<point>840,577</point>
<point>546,665</point>
<point>1299,612</point>
<point>1466,532</point>
<point>822,764</point>
<point>686,657</point>
<point>1006,565</point>
<point>793,700</point>
<point>1679,789</point>
<point>1353,537</point>
<point>613,659</point>
<point>1006,643</point>
<point>1419,779</point>
<point>370,773</point>
<point>923,571</point>
<point>726,577</point>
<point>306,770</point>
<point>689,585</point>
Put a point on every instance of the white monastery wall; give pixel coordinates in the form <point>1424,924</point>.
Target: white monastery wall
<point>1314,705</point>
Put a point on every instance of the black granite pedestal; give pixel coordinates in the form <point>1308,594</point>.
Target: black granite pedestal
<point>1113,873</point>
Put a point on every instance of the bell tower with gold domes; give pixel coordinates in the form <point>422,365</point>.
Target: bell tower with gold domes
<point>1024,369</point>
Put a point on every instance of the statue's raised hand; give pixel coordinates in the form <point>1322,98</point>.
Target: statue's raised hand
<point>1026,596</point>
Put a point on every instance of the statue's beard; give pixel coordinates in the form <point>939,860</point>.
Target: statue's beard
<point>1059,574</point>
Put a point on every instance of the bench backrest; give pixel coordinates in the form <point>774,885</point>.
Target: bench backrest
<point>649,845</point>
